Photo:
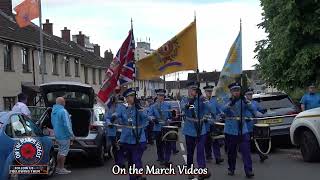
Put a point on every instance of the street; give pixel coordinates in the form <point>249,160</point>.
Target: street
<point>282,164</point>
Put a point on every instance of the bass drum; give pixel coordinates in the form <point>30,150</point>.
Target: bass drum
<point>261,131</point>
<point>169,133</point>
<point>218,131</point>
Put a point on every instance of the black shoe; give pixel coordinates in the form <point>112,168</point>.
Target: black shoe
<point>249,174</point>
<point>162,163</point>
<point>190,176</point>
<point>167,164</point>
<point>219,161</point>
<point>176,152</point>
<point>141,178</point>
<point>231,173</point>
<point>263,158</point>
<point>204,176</point>
<point>209,158</point>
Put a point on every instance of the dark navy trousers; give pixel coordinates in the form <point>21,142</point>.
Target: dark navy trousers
<point>192,143</point>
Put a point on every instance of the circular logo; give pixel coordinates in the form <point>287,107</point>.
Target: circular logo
<point>28,151</point>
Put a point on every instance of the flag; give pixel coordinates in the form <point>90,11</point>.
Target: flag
<point>178,54</point>
<point>121,70</point>
<point>27,11</point>
<point>231,70</point>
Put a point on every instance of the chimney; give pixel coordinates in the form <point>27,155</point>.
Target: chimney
<point>6,6</point>
<point>96,49</point>
<point>65,34</point>
<point>108,55</point>
<point>80,39</point>
<point>47,27</point>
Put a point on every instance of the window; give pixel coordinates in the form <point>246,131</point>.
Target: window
<point>19,128</point>
<point>86,75</point>
<point>67,66</point>
<point>44,66</point>
<point>76,68</point>
<point>93,76</point>
<point>25,60</point>
<point>9,102</point>
<point>8,66</point>
<point>100,77</point>
<point>54,58</point>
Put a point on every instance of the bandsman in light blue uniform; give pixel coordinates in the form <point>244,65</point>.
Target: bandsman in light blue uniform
<point>255,112</point>
<point>214,111</point>
<point>160,114</point>
<point>236,133</point>
<point>311,99</point>
<point>194,127</point>
<point>133,140</point>
<point>111,118</point>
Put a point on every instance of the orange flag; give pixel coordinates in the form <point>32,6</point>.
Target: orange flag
<point>27,11</point>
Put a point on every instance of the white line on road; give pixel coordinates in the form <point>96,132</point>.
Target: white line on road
<point>185,158</point>
<point>182,147</point>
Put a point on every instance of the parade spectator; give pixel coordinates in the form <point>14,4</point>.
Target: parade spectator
<point>311,99</point>
<point>20,106</point>
<point>62,127</point>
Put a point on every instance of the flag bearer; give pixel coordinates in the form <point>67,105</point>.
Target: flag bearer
<point>194,129</point>
<point>235,136</point>
<point>133,139</point>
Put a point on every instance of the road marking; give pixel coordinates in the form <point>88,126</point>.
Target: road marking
<point>185,158</point>
<point>182,147</point>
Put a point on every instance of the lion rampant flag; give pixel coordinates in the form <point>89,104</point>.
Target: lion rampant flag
<point>178,54</point>
<point>27,11</point>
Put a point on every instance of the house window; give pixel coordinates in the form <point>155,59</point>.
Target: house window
<point>86,74</point>
<point>54,58</point>
<point>76,68</point>
<point>9,102</point>
<point>8,65</point>
<point>93,76</point>
<point>100,77</point>
<point>25,60</point>
<point>44,66</point>
<point>67,66</point>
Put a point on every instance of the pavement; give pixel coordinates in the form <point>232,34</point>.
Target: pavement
<point>283,164</point>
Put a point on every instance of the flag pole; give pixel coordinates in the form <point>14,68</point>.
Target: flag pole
<point>241,93</point>
<point>41,44</point>
<point>199,129</point>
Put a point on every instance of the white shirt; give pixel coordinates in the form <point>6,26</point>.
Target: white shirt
<point>20,107</point>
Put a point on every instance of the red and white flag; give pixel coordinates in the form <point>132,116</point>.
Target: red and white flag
<point>121,70</point>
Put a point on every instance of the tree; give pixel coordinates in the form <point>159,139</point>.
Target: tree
<point>289,57</point>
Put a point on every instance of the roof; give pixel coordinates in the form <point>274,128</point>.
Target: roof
<point>176,84</point>
<point>72,83</point>
<point>29,36</point>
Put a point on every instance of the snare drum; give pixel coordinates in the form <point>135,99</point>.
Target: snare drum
<point>261,131</point>
<point>169,133</point>
<point>218,131</point>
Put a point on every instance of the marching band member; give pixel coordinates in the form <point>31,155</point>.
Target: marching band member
<point>133,139</point>
<point>234,136</point>
<point>212,145</point>
<point>254,112</point>
<point>110,118</point>
<point>160,112</point>
<point>194,129</point>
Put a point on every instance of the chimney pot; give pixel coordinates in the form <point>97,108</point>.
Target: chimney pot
<point>47,20</point>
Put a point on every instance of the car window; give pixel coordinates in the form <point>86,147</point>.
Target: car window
<point>31,126</point>
<point>275,102</point>
<point>18,127</point>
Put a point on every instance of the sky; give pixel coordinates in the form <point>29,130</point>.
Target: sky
<point>107,23</point>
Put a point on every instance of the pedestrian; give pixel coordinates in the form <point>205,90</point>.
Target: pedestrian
<point>236,133</point>
<point>311,99</point>
<point>21,107</point>
<point>112,136</point>
<point>194,109</point>
<point>214,111</point>
<point>133,139</point>
<point>160,113</point>
<point>254,112</point>
<point>60,120</point>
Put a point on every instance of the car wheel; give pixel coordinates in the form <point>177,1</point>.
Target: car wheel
<point>310,149</point>
<point>52,164</point>
<point>100,157</point>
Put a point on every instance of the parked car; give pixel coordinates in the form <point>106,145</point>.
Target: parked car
<point>305,133</point>
<point>86,118</point>
<point>14,127</point>
<point>176,112</point>
<point>279,112</point>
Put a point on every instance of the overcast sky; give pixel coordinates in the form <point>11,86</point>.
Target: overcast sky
<point>107,23</point>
